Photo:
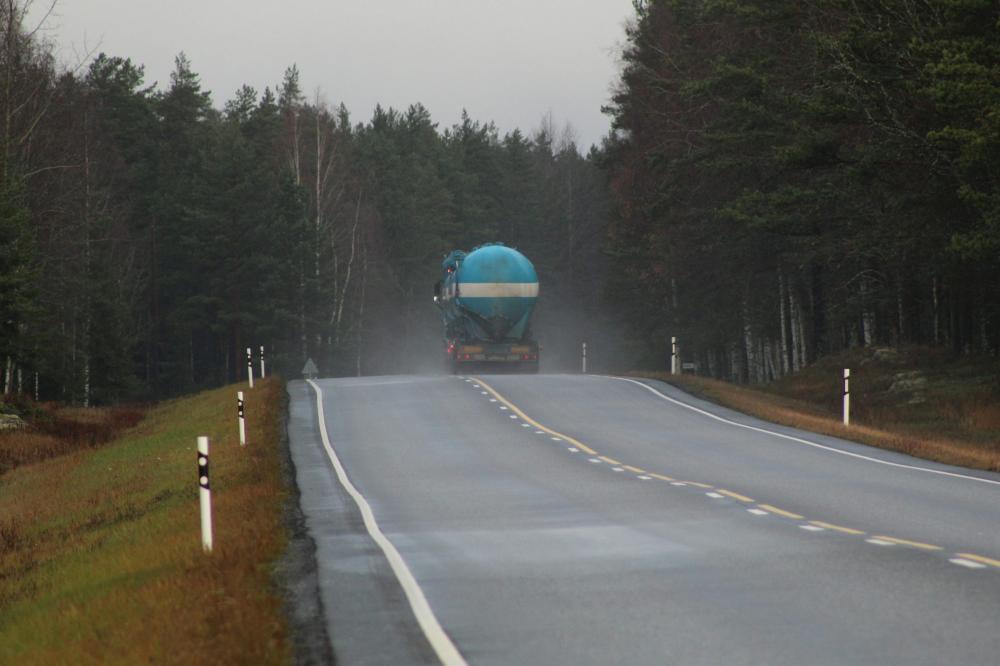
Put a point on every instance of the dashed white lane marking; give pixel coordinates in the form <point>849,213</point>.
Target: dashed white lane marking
<point>807,442</point>
<point>513,416</point>
<point>475,386</point>
<point>643,477</point>
<point>962,562</point>
<point>617,469</point>
<point>503,407</point>
<point>812,528</point>
<point>573,450</point>
<point>595,460</point>
<point>436,636</point>
<point>493,399</point>
<point>484,392</point>
<point>469,380</point>
<point>880,542</point>
<point>539,432</point>
<point>715,495</point>
<point>557,439</point>
<point>677,483</point>
<point>757,512</point>
<point>525,425</point>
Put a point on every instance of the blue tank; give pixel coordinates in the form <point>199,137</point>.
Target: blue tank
<point>488,294</point>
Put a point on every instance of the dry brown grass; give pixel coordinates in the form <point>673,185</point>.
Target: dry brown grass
<point>914,430</point>
<point>55,431</point>
<point>100,551</point>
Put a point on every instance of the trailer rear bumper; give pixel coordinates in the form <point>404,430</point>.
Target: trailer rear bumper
<point>493,355</point>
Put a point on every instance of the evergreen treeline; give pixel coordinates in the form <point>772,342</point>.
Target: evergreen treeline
<point>787,179</point>
<point>147,238</point>
<point>794,178</point>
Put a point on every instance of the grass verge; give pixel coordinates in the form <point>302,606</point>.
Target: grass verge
<point>917,401</point>
<point>100,549</point>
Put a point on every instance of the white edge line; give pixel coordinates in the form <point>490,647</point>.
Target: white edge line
<point>806,441</point>
<point>439,640</point>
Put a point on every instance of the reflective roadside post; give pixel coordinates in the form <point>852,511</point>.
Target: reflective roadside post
<point>847,396</point>
<point>240,414</point>
<point>204,495</point>
<point>250,366</point>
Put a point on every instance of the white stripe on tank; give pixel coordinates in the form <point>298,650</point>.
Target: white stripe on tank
<point>498,289</point>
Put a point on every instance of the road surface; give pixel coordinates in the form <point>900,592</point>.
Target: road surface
<point>566,519</point>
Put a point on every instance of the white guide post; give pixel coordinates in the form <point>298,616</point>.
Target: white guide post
<point>584,358</point>
<point>241,414</point>
<point>204,495</point>
<point>673,355</point>
<point>847,396</point>
<point>262,373</point>
<point>250,366</point>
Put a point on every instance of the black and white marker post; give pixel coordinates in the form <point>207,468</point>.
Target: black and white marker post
<point>584,358</point>
<point>241,415</point>
<point>204,495</point>
<point>262,373</point>
<point>673,356</point>
<point>847,396</point>
<point>250,366</point>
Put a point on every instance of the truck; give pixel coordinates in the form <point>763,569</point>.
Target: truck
<point>486,298</point>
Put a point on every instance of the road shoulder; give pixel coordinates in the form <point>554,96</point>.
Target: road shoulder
<point>367,617</point>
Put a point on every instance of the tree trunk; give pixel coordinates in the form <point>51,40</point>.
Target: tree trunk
<point>900,311</point>
<point>748,347</point>
<point>361,303</point>
<point>798,351</point>
<point>87,214</point>
<point>786,351</point>
<point>867,316</point>
<point>936,310</point>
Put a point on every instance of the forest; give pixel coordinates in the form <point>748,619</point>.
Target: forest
<point>149,237</point>
<point>782,180</point>
<point>795,178</point>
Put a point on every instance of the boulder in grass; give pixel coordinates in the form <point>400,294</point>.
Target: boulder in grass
<point>11,422</point>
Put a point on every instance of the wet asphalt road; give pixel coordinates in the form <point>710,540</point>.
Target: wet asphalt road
<point>574,542</point>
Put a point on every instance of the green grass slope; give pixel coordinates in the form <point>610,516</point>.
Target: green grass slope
<point>100,549</point>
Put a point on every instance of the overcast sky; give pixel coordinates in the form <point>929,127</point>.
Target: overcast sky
<point>510,61</point>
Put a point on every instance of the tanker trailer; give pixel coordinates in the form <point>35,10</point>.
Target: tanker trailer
<point>486,298</point>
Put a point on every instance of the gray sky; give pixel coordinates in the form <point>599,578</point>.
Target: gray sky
<point>510,61</point>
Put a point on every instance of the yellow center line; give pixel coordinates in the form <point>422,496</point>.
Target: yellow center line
<point>780,512</point>
<point>735,496</point>
<point>838,528</point>
<point>742,498</point>
<point>904,542</point>
<point>580,445</point>
<point>980,558</point>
